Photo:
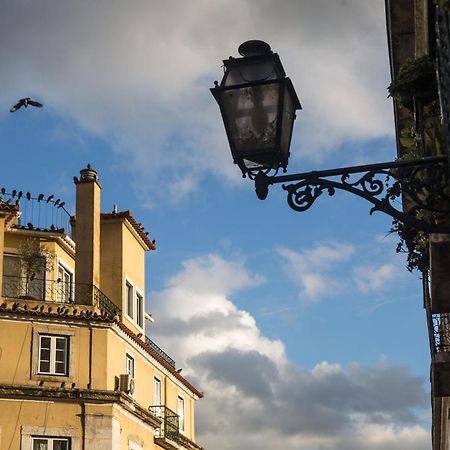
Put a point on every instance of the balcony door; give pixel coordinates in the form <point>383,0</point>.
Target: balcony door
<point>64,292</point>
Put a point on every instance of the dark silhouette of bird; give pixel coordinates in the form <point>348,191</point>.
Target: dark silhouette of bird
<point>25,102</point>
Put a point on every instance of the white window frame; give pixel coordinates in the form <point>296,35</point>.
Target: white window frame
<point>66,268</point>
<point>53,350</point>
<point>139,312</point>
<point>132,295</point>
<point>129,294</point>
<point>181,411</point>
<point>157,401</point>
<point>130,365</point>
<point>50,441</point>
<point>30,432</point>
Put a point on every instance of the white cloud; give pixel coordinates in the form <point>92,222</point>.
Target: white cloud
<point>313,269</point>
<point>369,278</point>
<point>255,397</point>
<point>138,75</point>
<point>328,269</point>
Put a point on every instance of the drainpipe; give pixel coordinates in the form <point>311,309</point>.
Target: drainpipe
<point>90,358</point>
<point>2,247</point>
<point>83,425</point>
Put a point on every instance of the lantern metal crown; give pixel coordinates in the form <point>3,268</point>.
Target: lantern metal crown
<point>258,104</point>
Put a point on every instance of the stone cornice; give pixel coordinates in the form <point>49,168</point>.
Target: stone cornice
<point>77,396</point>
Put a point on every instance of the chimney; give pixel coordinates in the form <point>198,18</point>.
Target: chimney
<point>87,227</point>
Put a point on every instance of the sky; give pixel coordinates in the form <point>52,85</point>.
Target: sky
<point>305,331</point>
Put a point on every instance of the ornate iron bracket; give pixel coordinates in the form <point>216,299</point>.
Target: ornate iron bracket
<point>421,183</point>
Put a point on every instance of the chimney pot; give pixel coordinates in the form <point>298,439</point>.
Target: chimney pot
<point>88,174</point>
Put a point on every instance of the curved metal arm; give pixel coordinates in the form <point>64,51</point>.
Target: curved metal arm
<point>424,181</point>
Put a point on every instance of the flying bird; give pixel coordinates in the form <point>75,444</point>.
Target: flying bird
<point>25,102</point>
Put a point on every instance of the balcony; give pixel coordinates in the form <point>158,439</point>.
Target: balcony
<point>440,367</point>
<point>57,291</point>
<point>439,339</point>
<point>168,435</point>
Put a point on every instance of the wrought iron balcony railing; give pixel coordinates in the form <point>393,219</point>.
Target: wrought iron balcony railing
<point>57,291</point>
<point>441,332</point>
<point>438,323</point>
<point>160,352</point>
<point>170,425</point>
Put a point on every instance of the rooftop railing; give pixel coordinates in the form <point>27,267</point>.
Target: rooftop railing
<point>38,213</point>
<point>57,291</point>
<point>160,352</point>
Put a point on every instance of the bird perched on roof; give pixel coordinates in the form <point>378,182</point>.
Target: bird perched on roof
<point>25,102</point>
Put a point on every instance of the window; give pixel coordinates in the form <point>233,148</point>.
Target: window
<point>45,443</point>
<point>181,413</point>
<point>53,355</point>
<point>134,304</point>
<point>156,391</point>
<point>129,365</point>
<point>129,293</point>
<point>12,283</point>
<point>139,310</point>
<point>64,285</point>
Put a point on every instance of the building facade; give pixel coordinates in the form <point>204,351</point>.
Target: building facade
<point>76,368</point>
<point>418,34</point>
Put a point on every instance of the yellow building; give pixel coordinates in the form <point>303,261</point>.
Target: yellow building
<point>76,369</point>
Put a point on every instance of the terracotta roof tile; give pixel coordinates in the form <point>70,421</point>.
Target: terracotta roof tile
<point>9,207</point>
<point>137,226</point>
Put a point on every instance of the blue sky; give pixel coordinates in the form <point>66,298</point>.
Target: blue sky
<point>309,318</point>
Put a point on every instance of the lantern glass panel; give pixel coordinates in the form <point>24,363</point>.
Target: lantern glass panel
<point>288,118</point>
<point>252,118</point>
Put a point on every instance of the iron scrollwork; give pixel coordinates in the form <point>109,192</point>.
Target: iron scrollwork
<point>422,185</point>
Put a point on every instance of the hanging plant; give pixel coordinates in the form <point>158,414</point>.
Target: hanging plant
<point>416,76</point>
<point>413,242</point>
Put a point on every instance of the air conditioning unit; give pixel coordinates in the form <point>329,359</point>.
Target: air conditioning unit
<point>126,383</point>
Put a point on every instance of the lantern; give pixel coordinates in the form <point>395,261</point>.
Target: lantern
<point>258,104</point>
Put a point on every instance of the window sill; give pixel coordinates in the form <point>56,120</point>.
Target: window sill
<point>51,377</point>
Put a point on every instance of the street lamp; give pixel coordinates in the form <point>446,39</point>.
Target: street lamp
<point>258,105</point>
